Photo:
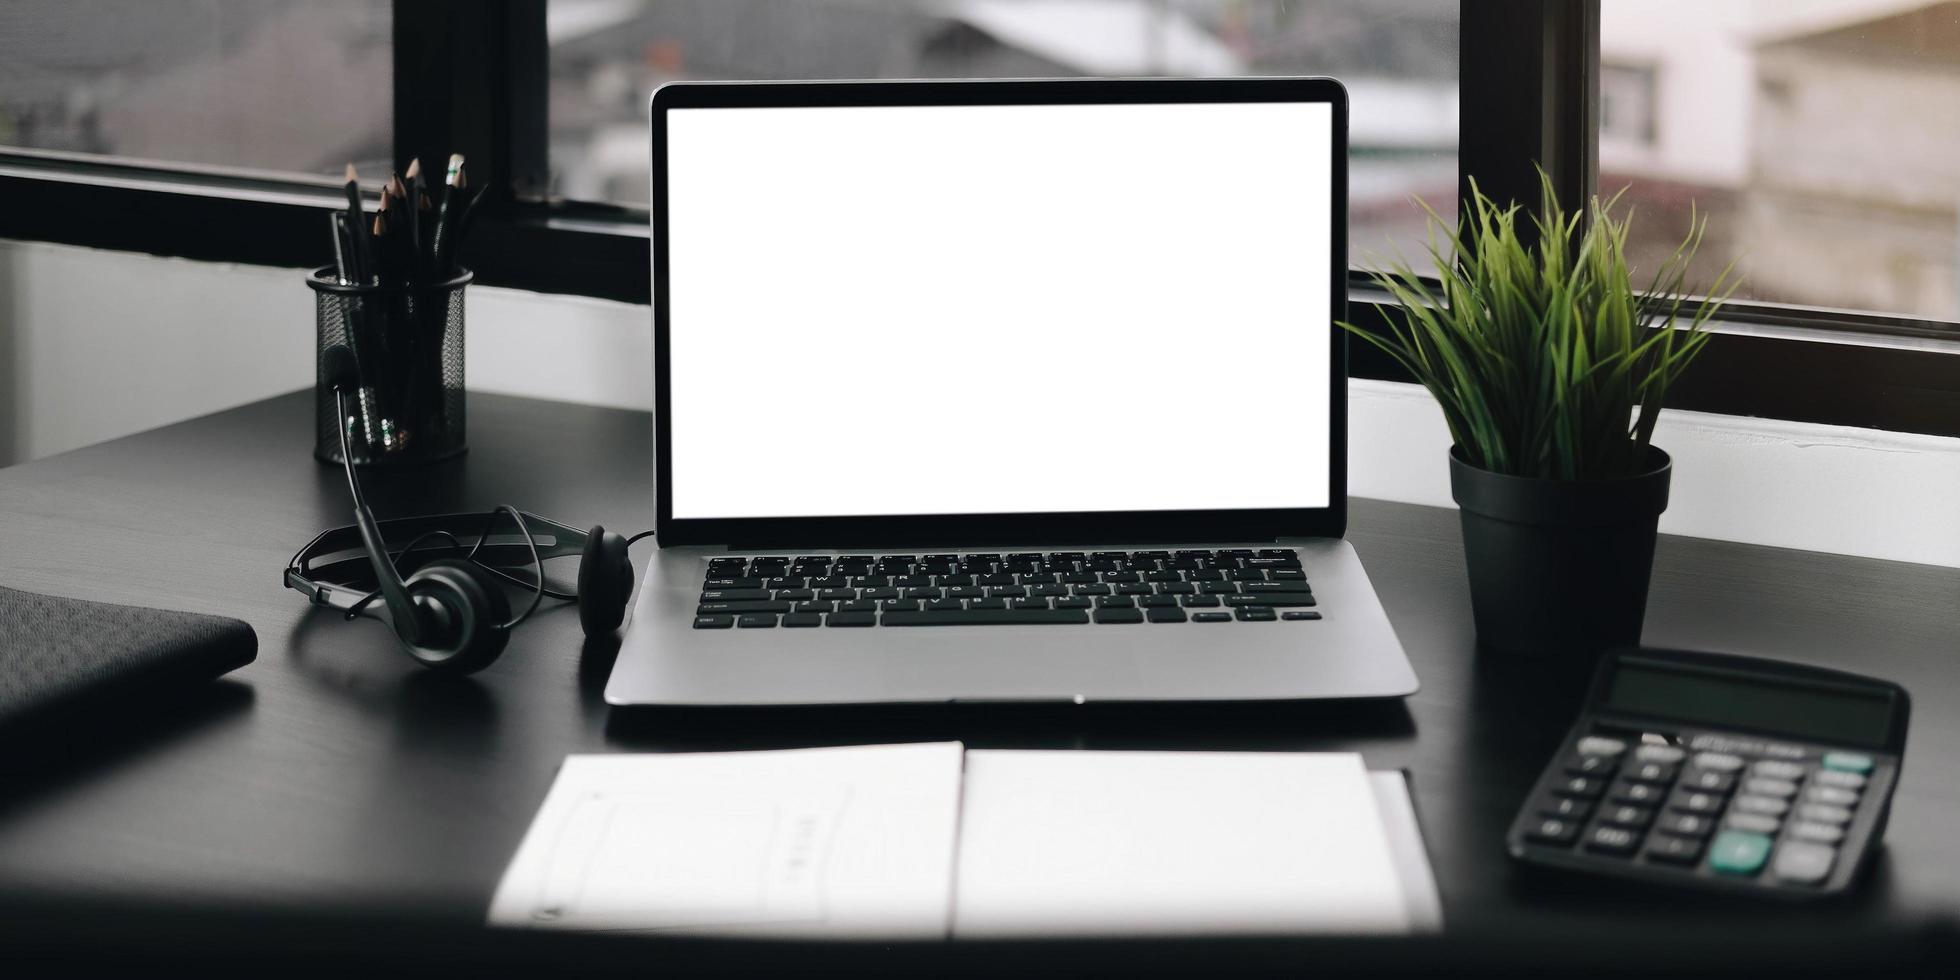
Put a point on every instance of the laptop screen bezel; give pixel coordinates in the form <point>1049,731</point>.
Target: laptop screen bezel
<point>909,530</point>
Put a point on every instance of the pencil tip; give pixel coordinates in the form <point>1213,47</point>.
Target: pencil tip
<point>351,175</point>
<point>414,169</point>
<point>455,166</point>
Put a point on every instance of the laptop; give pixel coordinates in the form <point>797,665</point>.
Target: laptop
<point>1004,391</point>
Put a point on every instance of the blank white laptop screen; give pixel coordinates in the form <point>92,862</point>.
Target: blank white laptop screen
<point>998,309</point>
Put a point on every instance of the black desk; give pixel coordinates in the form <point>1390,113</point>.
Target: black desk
<point>334,790</point>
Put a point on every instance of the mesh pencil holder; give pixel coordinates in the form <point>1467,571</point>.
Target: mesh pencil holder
<point>408,343</point>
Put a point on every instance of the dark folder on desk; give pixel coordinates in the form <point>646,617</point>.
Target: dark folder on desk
<point>62,656</point>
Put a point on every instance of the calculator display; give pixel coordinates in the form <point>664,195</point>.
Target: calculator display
<point>1824,713</point>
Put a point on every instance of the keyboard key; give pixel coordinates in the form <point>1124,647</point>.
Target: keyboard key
<point>1843,780</point>
<point>1692,802</point>
<point>802,619</point>
<point>965,592</point>
<point>1738,852</point>
<point>751,621</point>
<point>879,593</point>
<point>1163,614</point>
<point>1831,795</point>
<point>796,595</point>
<point>1823,813</point>
<point>1211,617</point>
<point>1272,599</point>
<point>1766,805</point>
<point>1048,590</point>
<point>987,617</point>
<point>945,580</point>
<point>1133,588</point>
<point>1755,823</point>
<point>1245,575</point>
<point>1567,807</point>
<point>1157,601</point>
<point>996,579</point>
<point>737,608</point>
<point>738,583</point>
<point>1718,761</point>
<point>1803,862</point>
<point>1673,850</point>
<point>1708,780</point>
<point>1028,602</point>
<point>1177,588</point>
<point>1299,614</point>
<point>1196,601</point>
<point>1218,588</point>
<point>814,606</point>
<point>1627,816</point>
<point>1287,575</point>
<point>1257,614</point>
<point>834,594</point>
<point>1600,745</point>
<point>1763,786</point>
<point>1074,602</point>
<point>854,618</point>
<point>1116,602</point>
<point>858,605</point>
<point>1092,590</point>
<point>1638,794</point>
<point>1822,833</point>
<point>871,581</point>
<point>986,603</point>
<point>903,604</point>
<point>1604,839</point>
<point>1591,765</point>
<point>1120,577</point>
<point>943,605</point>
<point>1652,772</point>
<point>1553,830</point>
<point>1162,577</point>
<point>1006,591</point>
<point>713,622</point>
<point>922,594</point>
<point>732,595</point>
<point>1686,824</point>
<point>1119,615</point>
<point>1256,588</point>
<point>1848,762</point>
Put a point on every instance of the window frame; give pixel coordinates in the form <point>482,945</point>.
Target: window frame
<point>473,75</point>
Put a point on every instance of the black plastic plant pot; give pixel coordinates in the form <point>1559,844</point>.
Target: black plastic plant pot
<point>1559,568</point>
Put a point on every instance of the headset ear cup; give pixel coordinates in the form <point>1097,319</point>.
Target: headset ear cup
<point>605,580</point>
<point>475,610</point>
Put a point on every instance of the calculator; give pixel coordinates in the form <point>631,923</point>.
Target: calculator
<point>1720,772</point>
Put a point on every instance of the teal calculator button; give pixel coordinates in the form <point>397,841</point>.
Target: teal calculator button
<point>1739,852</point>
<point>1848,762</point>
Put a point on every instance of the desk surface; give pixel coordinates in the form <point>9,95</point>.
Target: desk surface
<point>333,776</point>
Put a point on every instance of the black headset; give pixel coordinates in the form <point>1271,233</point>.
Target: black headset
<point>451,613</point>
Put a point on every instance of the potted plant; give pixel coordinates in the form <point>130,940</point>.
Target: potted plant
<point>1550,368</point>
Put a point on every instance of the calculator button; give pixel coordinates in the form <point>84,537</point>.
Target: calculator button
<point>1603,839</point>
<point>1777,769</point>
<point>1552,830</point>
<point>1755,823</point>
<point>1689,801</point>
<point>1638,794</point>
<point>1583,787</point>
<point>1718,761</point>
<point>1803,862</point>
<point>1738,852</point>
<point>1762,786</point>
<point>1822,833</point>
<point>1652,772</point>
<point>1592,765</point>
<point>1823,813</point>
<point>1848,762</point>
<point>1842,780</point>
<point>1664,754</point>
<point>1708,780</point>
<point>1565,809</point>
<point>1635,817</point>
<point>1831,795</point>
<point>1768,806</point>
<point>1686,824</point>
<point>1673,850</point>
<point>1600,745</point>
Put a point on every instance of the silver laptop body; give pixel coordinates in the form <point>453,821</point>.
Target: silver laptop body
<point>1001,391</point>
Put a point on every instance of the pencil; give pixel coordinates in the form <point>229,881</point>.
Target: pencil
<point>417,202</point>
<point>363,248</point>
<point>439,251</point>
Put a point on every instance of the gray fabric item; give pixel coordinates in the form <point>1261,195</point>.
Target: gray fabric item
<point>57,654</point>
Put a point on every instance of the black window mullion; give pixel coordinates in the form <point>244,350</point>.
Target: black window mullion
<point>1528,92</point>
<point>470,78</point>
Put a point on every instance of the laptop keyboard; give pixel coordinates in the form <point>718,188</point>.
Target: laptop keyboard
<point>1020,588</point>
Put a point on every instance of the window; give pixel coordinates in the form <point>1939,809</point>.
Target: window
<point>268,85</point>
<point>1626,105</point>
<point>1399,61</point>
<point>1822,139</point>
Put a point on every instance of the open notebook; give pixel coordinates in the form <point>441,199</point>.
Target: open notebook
<point>928,840</point>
